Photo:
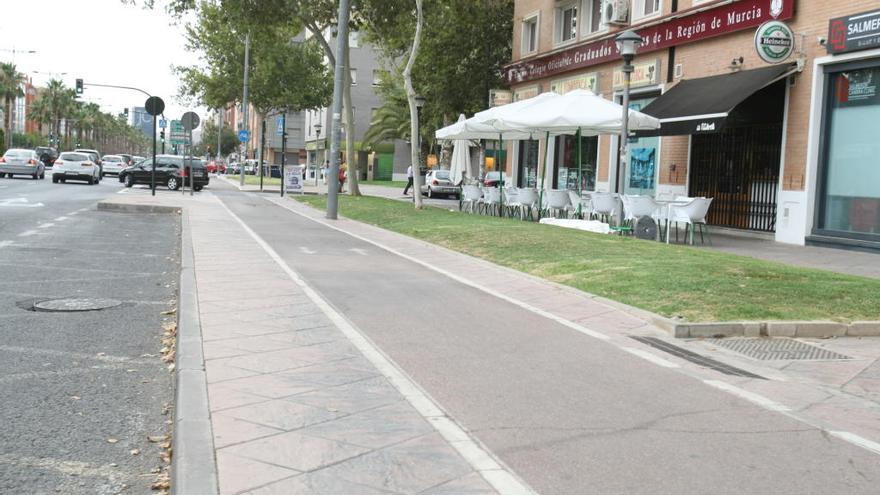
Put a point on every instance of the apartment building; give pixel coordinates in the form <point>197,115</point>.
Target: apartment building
<point>769,106</point>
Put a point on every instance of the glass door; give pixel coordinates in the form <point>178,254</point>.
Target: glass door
<point>527,175</point>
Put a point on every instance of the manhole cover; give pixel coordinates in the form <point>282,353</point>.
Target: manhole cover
<point>777,349</point>
<point>76,304</point>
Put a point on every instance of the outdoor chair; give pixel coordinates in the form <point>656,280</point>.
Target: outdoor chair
<point>527,198</point>
<point>603,206</point>
<point>492,200</point>
<point>511,201</point>
<point>692,214</point>
<point>635,207</point>
<point>557,202</point>
<point>470,195</point>
<point>576,207</point>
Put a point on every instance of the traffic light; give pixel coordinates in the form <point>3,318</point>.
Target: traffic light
<point>125,111</point>
<point>162,136</point>
<point>79,86</point>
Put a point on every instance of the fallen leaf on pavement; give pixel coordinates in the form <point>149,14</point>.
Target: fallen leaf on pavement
<point>112,440</point>
<point>158,438</point>
<point>169,312</point>
<point>135,451</point>
<point>75,397</point>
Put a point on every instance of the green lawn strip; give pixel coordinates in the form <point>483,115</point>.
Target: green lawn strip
<point>254,180</point>
<point>671,280</point>
<point>389,183</point>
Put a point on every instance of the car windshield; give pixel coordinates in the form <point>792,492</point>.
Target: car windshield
<point>442,174</point>
<point>493,175</point>
<point>18,154</point>
<point>74,157</point>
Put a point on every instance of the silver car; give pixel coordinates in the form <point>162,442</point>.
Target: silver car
<point>439,182</point>
<point>113,164</point>
<point>18,161</point>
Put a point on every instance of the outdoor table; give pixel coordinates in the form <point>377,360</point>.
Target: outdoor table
<point>669,204</point>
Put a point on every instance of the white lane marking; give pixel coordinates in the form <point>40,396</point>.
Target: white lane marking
<point>60,219</point>
<point>3,244</point>
<point>27,233</point>
<point>752,397</point>
<point>515,302</point>
<point>647,356</point>
<point>72,213</point>
<point>504,481</point>
<point>45,225</point>
<point>306,250</point>
<point>122,191</point>
<point>83,209</point>
<point>18,203</point>
<point>856,440</point>
<point>359,251</point>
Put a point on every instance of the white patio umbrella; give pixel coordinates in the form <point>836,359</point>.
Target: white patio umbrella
<point>461,158</point>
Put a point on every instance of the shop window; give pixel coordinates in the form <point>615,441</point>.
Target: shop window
<point>527,175</point>
<point>566,23</point>
<point>851,189</point>
<point>566,172</point>
<point>646,8</point>
<point>593,16</point>
<point>530,35</point>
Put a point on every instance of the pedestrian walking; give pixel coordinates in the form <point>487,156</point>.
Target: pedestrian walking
<point>325,171</point>
<point>342,178</point>
<point>409,180</point>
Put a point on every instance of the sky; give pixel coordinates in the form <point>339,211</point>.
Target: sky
<point>100,41</point>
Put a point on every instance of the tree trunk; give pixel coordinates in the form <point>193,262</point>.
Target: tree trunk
<point>350,155</point>
<point>413,111</point>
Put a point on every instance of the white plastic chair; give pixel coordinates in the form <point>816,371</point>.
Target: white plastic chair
<point>511,201</point>
<point>636,207</point>
<point>492,200</point>
<point>527,197</point>
<point>692,214</point>
<point>470,197</point>
<point>576,207</point>
<point>603,206</point>
<point>557,202</point>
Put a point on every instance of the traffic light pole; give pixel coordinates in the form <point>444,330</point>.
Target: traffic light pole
<point>153,172</point>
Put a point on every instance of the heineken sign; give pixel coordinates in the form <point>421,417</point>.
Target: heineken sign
<point>774,41</point>
<point>854,32</point>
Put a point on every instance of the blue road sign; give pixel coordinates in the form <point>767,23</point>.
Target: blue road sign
<point>244,136</point>
<point>279,126</point>
<point>162,123</point>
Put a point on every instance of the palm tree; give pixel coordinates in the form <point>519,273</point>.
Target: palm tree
<point>391,120</point>
<point>10,89</point>
<point>41,113</point>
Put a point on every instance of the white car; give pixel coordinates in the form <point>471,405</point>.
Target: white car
<point>112,164</point>
<point>17,161</point>
<point>72,165</point>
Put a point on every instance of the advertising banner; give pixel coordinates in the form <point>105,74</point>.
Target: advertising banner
<point>293,179</point>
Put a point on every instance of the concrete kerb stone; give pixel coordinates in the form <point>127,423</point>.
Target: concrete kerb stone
<point>194,468</point>
<point>136,208</point>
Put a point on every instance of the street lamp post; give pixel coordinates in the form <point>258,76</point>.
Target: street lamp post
<point>318,128</point>
<point>627,44</point>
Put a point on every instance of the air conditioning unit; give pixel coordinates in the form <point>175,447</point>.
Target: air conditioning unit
<point>615,12</point>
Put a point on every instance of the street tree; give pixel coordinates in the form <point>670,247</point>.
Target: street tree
<point>10,89</point>
<point>228,139</point>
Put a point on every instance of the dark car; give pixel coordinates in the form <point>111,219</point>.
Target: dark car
<point>170,172</point>
<point>47,155</point>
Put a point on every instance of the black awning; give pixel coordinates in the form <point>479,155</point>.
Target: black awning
<point>699,106</point>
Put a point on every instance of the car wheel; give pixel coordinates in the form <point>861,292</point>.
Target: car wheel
<point>92,180</point>
<point>43,175</point>
<point>197,188</point>
<point>173,185</point>
<point>128,181</point>
<point>55,180</point>
<point>63,181</point>
<point>35,176</point>
<point>430,193</point>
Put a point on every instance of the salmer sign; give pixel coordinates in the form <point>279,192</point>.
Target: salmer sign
<point>683,29</point>
<point>854,32</point>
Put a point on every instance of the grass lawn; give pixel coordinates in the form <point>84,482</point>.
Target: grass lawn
<point>254,180</point>
<point>390,183</point>
<point>671,280</point>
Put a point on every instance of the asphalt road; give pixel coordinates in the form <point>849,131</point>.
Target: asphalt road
<point>568,413</point>
<point>80,391</point>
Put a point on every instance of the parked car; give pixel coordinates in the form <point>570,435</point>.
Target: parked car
<point>72,165</point>
<point>169,172</point>
<point>126,158</point>
<point>216,167</point>
<point>19,161</point>
<point>250,167</point>
<point>47,155</point>
<point>113,164</point>
<point>234,168</point>
<point>439,182</point>
<point>491,178</point>
<point>135,159</point>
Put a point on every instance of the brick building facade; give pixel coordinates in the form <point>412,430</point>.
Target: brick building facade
<point>772,164</point>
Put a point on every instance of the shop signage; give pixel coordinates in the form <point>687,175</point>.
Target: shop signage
<point>774,41</point>
<point>499,97</point>
<point>858,88</point>
<point>854,32</point>
<point>644,74</point>
<point>586,81</point>
<point>685,28</point>
<point>526,92</point>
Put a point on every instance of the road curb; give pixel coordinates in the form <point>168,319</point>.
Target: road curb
<point>136,208</point>
<point>193,468</point>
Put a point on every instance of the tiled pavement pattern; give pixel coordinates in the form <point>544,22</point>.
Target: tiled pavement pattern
<point>295,406</point>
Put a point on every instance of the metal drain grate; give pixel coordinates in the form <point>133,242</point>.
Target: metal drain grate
<point>696,358</point>
<point>777,349</point>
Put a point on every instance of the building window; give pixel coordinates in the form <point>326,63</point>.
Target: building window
<point>593,16</point>
<point>567,174</point>
<point>646,8</point>
<point>530,34</point>
<point>354,77</point>
<point>566,23</point>
<point>378,75</point>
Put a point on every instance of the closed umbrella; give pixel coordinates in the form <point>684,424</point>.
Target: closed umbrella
<point>461,158</point>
